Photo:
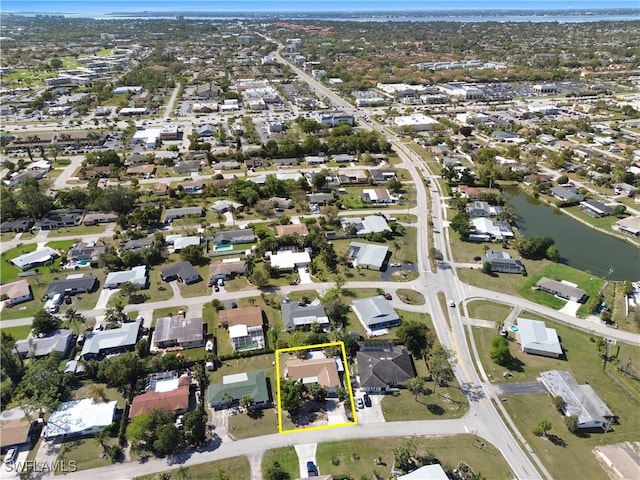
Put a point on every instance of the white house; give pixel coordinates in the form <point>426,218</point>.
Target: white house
<point>79,418</point>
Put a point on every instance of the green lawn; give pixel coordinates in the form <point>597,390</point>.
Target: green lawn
<point>286,457</point>
<point>8,272</point>
<point>261,422</point>
<point>80,230</point>
<point>486,310</point>
<point>410,296</point>
<point>18,333</point>
<point>111,394</point>
<point>234,468</point>
<point>449,402</point>
<point>86,452</point>
<point>355,458</point>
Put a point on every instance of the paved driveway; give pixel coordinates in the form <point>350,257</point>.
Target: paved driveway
<point>523,388</point>
<point>385,276</point>
<point>372,414</point>
<point>305,453</point>
<point>304,275</point>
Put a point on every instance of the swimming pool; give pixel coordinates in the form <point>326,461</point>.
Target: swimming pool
<point>222,248</point>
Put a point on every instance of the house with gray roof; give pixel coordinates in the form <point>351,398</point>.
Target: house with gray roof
<point>502,262</point>
<point>380,176</point>
<point>223,206</point>
<point>300,315</point>
<point>563,289</point>
<point>85,251</point>
<point>59,341</point>
<point>61,218</point>
<point>224,269</point>
<point>580,401</point>
<point>17,226</point>
<point>99,343</point>
<point>137,244</point>
<point>172,214</point>
<point>178,331</point>
<point>236,386</point>
<point>188,166</point>
<point>624,188</point>
<point>567,194</point>
<point>535,338</point>
<point>232,237</point>
<point>383,366</point>
<point>72,285</point>
<point>321,198</point>
<point>37,258</point>
<point>367,255</point>
<point>376,315</point>
<point>137,275</point>
<point>285,162</point>
<point>596,209</point>
<point>182,271</point>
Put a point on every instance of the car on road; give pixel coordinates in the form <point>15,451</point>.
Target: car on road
<point>216,288</point>
<point>388,296</point>
<point>395,264</point>
<point>210,283</point>
<point>367,400</point>
<point>452,304</point>
<point>359,403</point>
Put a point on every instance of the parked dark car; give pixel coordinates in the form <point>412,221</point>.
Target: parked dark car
<point>312,471</point>
<point>367,400</point>
<point>388,296</point>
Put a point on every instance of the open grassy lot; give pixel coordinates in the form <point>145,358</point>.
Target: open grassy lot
<point>261,422</point>
<point>80,230</point>
<point>286,457</point>
<point>86,452</point>
<point>110,394</point>
<point>235,468</point>
<point>355,458</point>
<point>486,310</point>
<point>449,402</point>
<point>18,333</point>
<point>9,272</point>
<point>197,289</point>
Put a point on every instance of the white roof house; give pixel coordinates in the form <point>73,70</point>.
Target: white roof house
<point>366,225</point>
<point>580,401</point>
<point>289,260</point>
<point>112,341</point>
<point>79,417</point>
<point>35,258</point>
<point>367,255</point>
<point>137,275</point>
<point>376,315</point>
<point>537,339</point>
<point>182,242</point>
<point>427,472</point>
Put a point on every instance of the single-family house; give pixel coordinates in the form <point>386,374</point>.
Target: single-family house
<point>61,218</point>
<point>95,218</point>
<point>137,275</point>
<point>426,472</point>
<point>179,242</point>
<point>192,187</point>
<point>469,192</point>
<point>566,194</point>
<point>485,229</point>
<point>37,258</point>
<point>381,177</point>
<point>72,285</point>
<point>624,189</point>
<point>188,166</point>
<point>141,170</point>
<point>482,209</point>
<point>596,209</point>
<point>383,366</point>
<point>300,315</point>
<point>99,343</point>
<point>562,289</point>
<point>79,418</point>
<point>281,202</point>
<point>535,338</point>
<point>257,162</point>
<point>171,395</point>
<point>234,387</point>
<point>233,237</point>
<point>172,214</point>
<point>181,271</point>
<point>629,225</point>
<point>377,195</point>
<point>289,259</point>
<point>580,401</point>
<point>16,433</point>
<point>16,292</point>
<point>320,370</point>
<point>292,229</point>
<point>367,255</point>
<point>352,177</point>
<point>366,225</point>
<point>16,226</point>
<point>178,331</point>
<point>245,327</point>
<point>502,262</point>
<point>376,315</point>
<point>285,162</point>
<point>223,206</point>
<point>315,160</point>
<point>85,251</point>
<point>137,244</point>
<point>59,341</point>
<point>320,198</point>
<point>225,269</point>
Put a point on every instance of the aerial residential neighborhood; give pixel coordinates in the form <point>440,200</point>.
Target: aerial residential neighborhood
<point>302,245</point>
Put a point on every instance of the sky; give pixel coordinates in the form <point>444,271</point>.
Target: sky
<point>62,6</point>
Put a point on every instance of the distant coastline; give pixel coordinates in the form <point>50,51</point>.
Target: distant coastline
<point>458,15</point>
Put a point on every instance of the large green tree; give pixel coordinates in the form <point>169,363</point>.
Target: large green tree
<point>195,426</point>
<point>154,432</point>
<point>414,336</point>
<point>44,322</point>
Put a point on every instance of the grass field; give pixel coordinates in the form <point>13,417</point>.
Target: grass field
<point>86,452</point>
<point>355,458</point>
<point>261,422</point>
<point>486,310</point>
<point>449,402</point>
<point>286,457</point>
<point>233,468</point>
<point>410,296</point>
<point>79,231</point>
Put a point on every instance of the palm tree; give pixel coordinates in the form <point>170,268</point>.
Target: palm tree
<point>73,317</point>
<point>182,473</point>
<point>249,266</point>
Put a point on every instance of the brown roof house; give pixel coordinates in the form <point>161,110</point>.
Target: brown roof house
<point>15,432</point>
<point>16,292</point>
<point>292,229</point>
<point>245,326</point>
<point>171,394</point>
<point>317,369</point>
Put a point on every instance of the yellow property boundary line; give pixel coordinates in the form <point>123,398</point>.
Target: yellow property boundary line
<point>347,381</point>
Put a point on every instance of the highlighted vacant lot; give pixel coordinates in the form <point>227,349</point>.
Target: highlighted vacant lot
<point>314,388</point>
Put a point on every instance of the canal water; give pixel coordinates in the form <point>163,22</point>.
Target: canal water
<point>580,246</point>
